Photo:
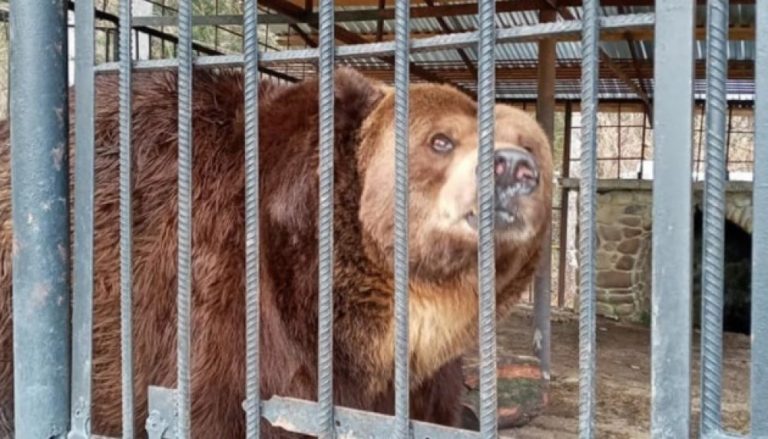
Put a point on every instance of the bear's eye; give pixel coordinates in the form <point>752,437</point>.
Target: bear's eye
<point>441,143</point>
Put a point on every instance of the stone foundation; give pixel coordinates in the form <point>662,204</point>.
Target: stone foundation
<point>624,227</point>
<point>623,241</point>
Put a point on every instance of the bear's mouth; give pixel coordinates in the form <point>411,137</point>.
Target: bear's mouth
<point>471,219</point>
<point>506,211</point>
<point>503,218</point>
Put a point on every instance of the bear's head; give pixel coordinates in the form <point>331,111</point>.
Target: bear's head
<point>443,162</point>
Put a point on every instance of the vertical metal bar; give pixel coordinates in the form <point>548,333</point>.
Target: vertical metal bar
<point>672,219</point>
<point>185,215</point>
<point>107,45</point>
<point>699,148</point>
<point>115,47</point>
<point>759,380</point>
<point>40,203</point>
<point>542,283</point>
<point>126,219</point>
<point>216,28</point>
<point>325,220</point>
<point>564,194</point>
<point>618,144</point>
<point>380,21</point>
<point>714,218</point>
<point>587,219</point>
<point>82,305</point>
<point>728,143</point>
<point>136,43</point>
<point>402,31</point>
<point>486,260</point>
<point>252,240</point>
<point>642,150</point>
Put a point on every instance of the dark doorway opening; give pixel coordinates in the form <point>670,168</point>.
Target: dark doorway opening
<point>737,275</point>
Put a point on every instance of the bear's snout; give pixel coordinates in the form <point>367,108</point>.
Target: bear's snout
<point>515,171</point>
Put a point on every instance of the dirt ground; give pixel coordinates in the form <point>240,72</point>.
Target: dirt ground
<point>623,378</point>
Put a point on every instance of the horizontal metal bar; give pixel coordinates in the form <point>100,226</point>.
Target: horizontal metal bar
<point>441,42</point>
<point>173,63</point>
<point>725,435</point>
<point>647,185</point>
<point>299,416</point>
<point>226,20</point>
<point>197,20</point>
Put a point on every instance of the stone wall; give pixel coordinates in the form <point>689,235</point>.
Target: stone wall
<point>623,249</point>
<point>624,228</point>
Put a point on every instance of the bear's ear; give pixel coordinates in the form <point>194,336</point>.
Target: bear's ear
<point>355,95</point>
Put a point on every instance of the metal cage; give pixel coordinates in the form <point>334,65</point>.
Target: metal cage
<point>50,404</point>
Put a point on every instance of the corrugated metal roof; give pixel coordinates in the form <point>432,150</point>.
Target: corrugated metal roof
<point>522,53</point>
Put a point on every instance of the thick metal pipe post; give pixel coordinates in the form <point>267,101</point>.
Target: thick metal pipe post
<point>759,376</point>
<point>672,221</point>
<point>40,203</point>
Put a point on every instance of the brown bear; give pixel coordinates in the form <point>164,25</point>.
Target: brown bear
<point>443,244</point>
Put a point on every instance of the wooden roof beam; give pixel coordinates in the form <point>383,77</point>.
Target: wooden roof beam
<point>289,9</point>
<point>305,38</point>
<point>737,70</point>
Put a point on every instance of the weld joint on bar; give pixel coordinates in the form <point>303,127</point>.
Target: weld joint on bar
<point>162,420</point>
<point>81,421</point>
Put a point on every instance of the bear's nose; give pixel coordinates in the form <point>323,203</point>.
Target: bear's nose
<point>515,169</point>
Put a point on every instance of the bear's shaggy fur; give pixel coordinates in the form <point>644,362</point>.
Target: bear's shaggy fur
<point>443,307</point>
